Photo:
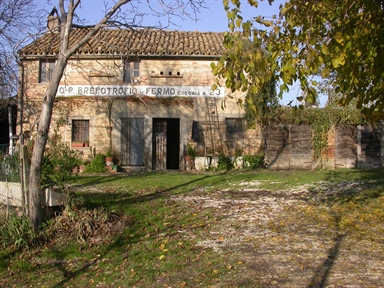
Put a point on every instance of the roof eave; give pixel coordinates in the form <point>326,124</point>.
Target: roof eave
<point>114,56</point>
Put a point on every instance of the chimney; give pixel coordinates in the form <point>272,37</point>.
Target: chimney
<point>54,21</point>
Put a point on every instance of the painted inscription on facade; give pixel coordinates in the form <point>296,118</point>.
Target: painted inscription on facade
<point>153,91</point>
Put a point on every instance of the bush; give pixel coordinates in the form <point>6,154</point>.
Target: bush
<point>254,161</point>
<point>97,164</point>
<point>224,162</point>
<point>58,162</point>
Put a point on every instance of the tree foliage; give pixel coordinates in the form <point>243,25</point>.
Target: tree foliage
<point>262,105</point>
<point>341,41</point>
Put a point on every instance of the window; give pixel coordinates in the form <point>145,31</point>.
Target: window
<point>46,69</point>
<point>80,130</point>
<point>131,71</point>
<point>235,125</point>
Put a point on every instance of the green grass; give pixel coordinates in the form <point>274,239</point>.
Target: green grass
<point>153,249</point>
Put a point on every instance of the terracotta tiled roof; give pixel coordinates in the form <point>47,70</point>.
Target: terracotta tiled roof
<point>133,42</point>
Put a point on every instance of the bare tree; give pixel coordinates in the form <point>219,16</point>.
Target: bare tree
<point>114,15</point>
<point>16,17</point>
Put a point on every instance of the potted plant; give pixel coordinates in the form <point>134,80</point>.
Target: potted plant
<point>190,157</point>
<point>109,157</point>
<point>77,144</point>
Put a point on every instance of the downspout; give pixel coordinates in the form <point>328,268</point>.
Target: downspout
<point>21,140</point>
<point>110,104</point>
<point>21,101</point>
<point>10,152</point>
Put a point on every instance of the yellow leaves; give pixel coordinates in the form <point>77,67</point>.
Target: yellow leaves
<point>324,50</point>
<point>253,3</point>
<point>238,23</point>
<point>182,284</point>
<point>325,72</point>
<point>339,61</point>
<point>339,38</point>
<point>231,26</point>
<point>262,21</point>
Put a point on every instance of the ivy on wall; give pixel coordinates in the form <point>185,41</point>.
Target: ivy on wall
<point>320,120</point>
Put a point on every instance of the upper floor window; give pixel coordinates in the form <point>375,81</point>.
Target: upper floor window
<point>131,71</point>
<point>46,69</point>
<point>80,130</point>
<point>235,125</point>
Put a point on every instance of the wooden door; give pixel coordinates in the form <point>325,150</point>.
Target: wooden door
<point>132,141</point>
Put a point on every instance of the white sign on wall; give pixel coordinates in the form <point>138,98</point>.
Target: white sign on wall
<point>153,91</point>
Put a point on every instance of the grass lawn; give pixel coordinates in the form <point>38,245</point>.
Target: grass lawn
<point>236,229</point>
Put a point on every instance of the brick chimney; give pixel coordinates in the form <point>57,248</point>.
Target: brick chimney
<point>54,22</point>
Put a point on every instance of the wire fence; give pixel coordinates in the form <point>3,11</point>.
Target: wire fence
<point>11,194</point>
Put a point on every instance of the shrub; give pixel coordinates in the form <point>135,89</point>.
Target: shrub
<point>254,161</point>
<point>97,164</point>
<point>58,162</point>
<point>224,162</point>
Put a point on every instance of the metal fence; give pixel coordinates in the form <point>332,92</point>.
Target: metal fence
<point>10,184</point>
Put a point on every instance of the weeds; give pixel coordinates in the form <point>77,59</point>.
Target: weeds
<point>16,232</point>
<point>76,222</point>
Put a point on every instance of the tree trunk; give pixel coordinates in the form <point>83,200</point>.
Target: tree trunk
<point>35,193</point>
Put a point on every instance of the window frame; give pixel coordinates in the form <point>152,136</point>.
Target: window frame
<point>46,67</point>
<point>131,71</point>
<point>80,130</point>
<point>238,126</point>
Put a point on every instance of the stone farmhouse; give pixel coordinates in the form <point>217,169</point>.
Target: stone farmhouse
<point>143,94</point>
<point>146,96</point>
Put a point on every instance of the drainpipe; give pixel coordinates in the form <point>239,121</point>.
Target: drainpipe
<point>10,129</point>
<point>23,176</point>
<point>20,103</point>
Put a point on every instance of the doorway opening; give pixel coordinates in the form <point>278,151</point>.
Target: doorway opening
<point>166,143</point>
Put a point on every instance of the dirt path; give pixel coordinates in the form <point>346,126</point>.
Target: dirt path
<point>288,239</point>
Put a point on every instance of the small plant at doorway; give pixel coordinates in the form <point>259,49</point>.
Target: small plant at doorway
<point>109,157</point>
<point>191,151</point>
<point>190,157</point>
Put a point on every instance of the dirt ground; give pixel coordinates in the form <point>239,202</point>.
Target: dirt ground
<point>288,239</point>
